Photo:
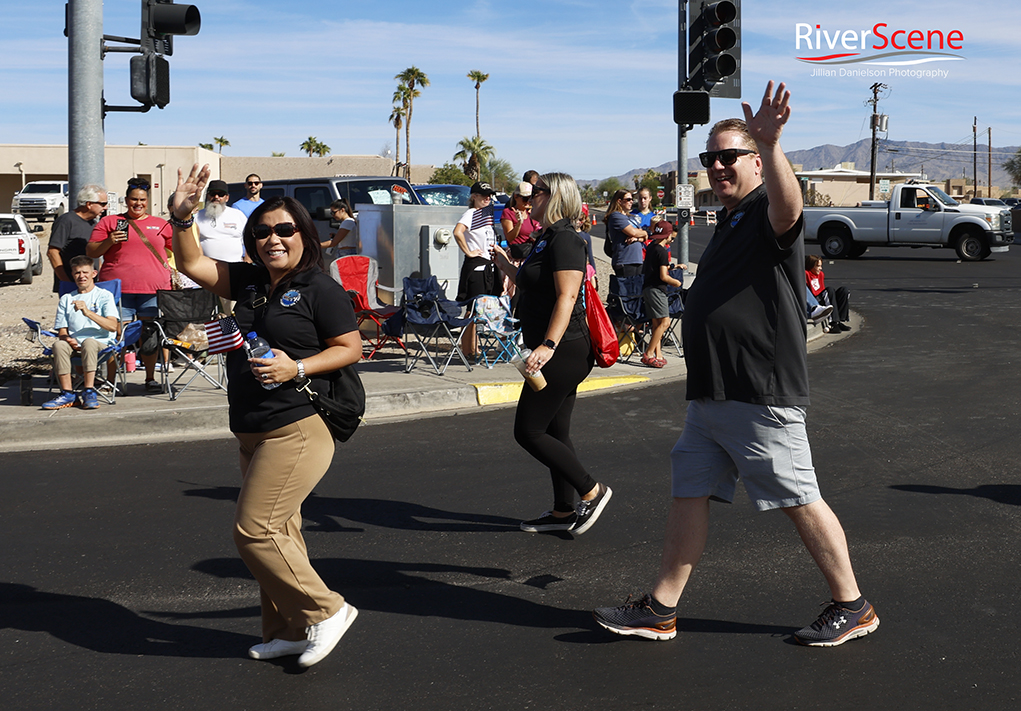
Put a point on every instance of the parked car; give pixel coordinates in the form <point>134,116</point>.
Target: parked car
<point>444,194</point>
<point>42,199</point>
<point>993,202</point>
<point>1013,203</point>
<point>20,253</point>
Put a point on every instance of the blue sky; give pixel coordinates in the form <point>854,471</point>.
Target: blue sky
<point>580,87</point>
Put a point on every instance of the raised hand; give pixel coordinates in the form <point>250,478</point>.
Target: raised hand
<point>189,191</point>
<point>767,124</point>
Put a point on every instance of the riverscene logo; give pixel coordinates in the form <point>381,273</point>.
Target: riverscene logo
<point>895,49</point>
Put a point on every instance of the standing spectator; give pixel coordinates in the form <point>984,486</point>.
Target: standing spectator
<point>839,299</point>
<point>71,232</point>
<point>475,236</point>
<point>344,242</point>
<point>626,240</point>
<point>642,213</point>
<point>285,447</point>
<point>656,273</point>
<point>221,230</point>
<point>553,325</point>
<point>518,223</point>
<point>583,227</point>
<point>744,343</point>
<point>253,195</point>
<point>530,176</point>
<point>134,247</point>
<point>86,323</point>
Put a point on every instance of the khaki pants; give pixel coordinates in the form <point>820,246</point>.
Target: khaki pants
<point>62,353</point>
<point>279,469</point>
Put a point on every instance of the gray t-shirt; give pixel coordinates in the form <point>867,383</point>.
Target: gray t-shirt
<point>70,234</point>
<point>744,318</point>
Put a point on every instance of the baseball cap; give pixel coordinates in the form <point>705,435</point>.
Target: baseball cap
<point>218,186</point>
<point>482,189</point>
<point>662,230</point>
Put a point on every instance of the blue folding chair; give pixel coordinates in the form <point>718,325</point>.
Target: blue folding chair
<point>497,330</point>
<point>431,318</point>
<point>675,301</point>
<point>626,307</point>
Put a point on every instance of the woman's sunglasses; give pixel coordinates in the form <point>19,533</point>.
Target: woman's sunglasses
<point>283,229</point>
<point>728,156</point>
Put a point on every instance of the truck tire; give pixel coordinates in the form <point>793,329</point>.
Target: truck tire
<point>26,276</point>
<point>857,249</point>
<point>37,269</point>
<point>835,242</point>
<point>971,247</point>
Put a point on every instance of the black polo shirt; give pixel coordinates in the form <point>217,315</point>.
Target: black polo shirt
<point>557,248</point>
<point>744,326</point>
<point>296,318</point>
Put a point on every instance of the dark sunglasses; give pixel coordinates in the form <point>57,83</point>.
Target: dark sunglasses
<point>256,182</point>
<point>628,199</point>
<point>283,229</point>
<point>218,193</point>
<point>726,157</point>
<point>97,202</point>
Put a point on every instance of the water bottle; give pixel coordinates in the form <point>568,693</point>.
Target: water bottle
<point>258,348</point>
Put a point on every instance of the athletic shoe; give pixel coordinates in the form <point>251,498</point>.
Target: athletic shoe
<point>636,618</point>
<point>549,522</point>
<point>843,327</point>
<point>837,624</point>
<point>652,362</point>
<point>65,399</point>
<point>277,648</point>
<point>588,511</point>
<point>152,386</point>
<point>90,399</point>
<point>323,636</point>
<point>820,312</point>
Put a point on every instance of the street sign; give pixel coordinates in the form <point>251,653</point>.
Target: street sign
<point>660,193</point>
<point>884,186</point>
<point>685,195</point>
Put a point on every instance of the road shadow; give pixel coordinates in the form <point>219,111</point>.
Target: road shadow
<point>1009,494</point>
<point>321,514</point>
<point>106,627</point>
<point>393,587</point>
<point>685,625</point>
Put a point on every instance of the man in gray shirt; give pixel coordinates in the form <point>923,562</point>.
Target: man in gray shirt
<point>71,232</point>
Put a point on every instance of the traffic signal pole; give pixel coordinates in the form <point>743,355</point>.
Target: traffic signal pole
<point>85,140</point>
<point>682,129</point>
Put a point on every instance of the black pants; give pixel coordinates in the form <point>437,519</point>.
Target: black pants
<point>839,299</point>
<point>542,423</point>
<point>627,270</point>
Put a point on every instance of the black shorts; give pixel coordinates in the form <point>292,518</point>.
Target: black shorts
<point>478,277</point>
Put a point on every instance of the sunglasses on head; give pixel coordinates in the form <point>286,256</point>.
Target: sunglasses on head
<point>283,229</point>
<point>728,156</point>
<point>140,184</point>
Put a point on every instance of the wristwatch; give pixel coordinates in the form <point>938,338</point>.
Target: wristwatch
<point>301,368</point>
<point>550,344</point>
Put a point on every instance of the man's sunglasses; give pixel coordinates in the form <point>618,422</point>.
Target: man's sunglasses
<point>218,193</point>
<point>256,182</point>
<point>283,229</point>
<point>726,157</point>
<point>97,202</point>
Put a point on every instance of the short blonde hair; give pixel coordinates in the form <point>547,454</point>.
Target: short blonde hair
<point>564,199</point>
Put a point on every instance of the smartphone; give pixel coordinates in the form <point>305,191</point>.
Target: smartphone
<point>122,225</point>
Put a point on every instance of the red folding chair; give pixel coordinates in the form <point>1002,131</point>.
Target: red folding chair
<point>359,275</point>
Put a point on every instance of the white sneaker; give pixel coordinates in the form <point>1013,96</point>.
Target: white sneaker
<point>277,648</point>
<point>821,312</point>
<point>323,636</point>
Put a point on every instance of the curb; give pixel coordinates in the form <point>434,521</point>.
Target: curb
<point>503,393</point>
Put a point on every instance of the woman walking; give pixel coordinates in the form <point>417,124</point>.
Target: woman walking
<point>285,447</point>
<point>553,325</point>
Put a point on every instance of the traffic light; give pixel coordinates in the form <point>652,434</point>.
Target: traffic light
<point>162,19</point>
<point>714,48</point>
<point>150,80</point>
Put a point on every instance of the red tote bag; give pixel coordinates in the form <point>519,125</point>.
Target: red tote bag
<point>604,337</point>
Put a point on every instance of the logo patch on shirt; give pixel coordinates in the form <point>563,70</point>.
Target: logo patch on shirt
<point>290,298</point>
<point>736,218</point>
<point>539,247</point>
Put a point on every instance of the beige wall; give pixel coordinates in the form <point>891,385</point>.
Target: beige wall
<point>234,169</point>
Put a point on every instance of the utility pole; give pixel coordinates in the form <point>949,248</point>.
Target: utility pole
<point>85,142</point>
<point>874,101</point>
<point>682,129</point>
<point>974,158</point>
<point>990,134</point>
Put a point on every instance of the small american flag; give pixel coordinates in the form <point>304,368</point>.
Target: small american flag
<point>224,335</point>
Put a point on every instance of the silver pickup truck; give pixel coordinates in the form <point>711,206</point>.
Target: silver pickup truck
<point>917,215</point>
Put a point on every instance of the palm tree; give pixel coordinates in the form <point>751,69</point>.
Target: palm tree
<point>221,142</point>
<point>410,77</point>
<point>321,149</point>
<point>207,146</point>
<point>478,77</point>
<point>474,152</point>
<point>309,146</point>
<point>397,116</point>
<point>277,154</point>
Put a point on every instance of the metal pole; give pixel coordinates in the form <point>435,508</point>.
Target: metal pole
<point>875,151</point>
<point>990,134</point>
<point>682,133</point>
<point>85,141</point>
<point>974,158</point>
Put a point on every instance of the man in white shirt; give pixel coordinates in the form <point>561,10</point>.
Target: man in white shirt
<point>221,230</point>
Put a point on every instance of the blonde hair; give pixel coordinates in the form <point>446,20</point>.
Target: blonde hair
<point>564,200</point>
<point>733,125</point>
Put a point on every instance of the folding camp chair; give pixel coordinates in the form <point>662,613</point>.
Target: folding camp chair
<point>675,302</point>
<point>360,276</point>
<point>182,333</point>
<point>431,317</point>
<point>625,306</point>
<point>497,330</point>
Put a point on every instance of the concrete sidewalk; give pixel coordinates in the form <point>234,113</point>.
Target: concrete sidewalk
<point>201,411</point>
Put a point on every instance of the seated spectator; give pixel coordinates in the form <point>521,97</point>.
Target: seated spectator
<point>839,299</point>
<point>813,309</point>
<point>344,242</point>
<point>86,323</point>
<point>656,273</point>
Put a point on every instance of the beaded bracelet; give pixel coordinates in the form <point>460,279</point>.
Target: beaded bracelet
<point>181,224</point>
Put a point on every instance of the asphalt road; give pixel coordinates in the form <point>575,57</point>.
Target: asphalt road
<point>121,588</point>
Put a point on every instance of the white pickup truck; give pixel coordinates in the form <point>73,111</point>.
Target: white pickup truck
<point>917,215</point>
<point>20,254</point>
<point>42,199</point>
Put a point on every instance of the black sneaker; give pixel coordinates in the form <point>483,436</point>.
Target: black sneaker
<point>635,617</point>
<point>843,326</point>
<point>837,624</point>
<point>549,522</point>
<point>589,511</point>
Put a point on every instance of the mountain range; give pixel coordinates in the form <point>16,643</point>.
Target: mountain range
<point>938,161</point>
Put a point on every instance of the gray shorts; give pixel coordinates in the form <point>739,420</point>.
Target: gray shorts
<point>765,446</point>
<point>656,304</point>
